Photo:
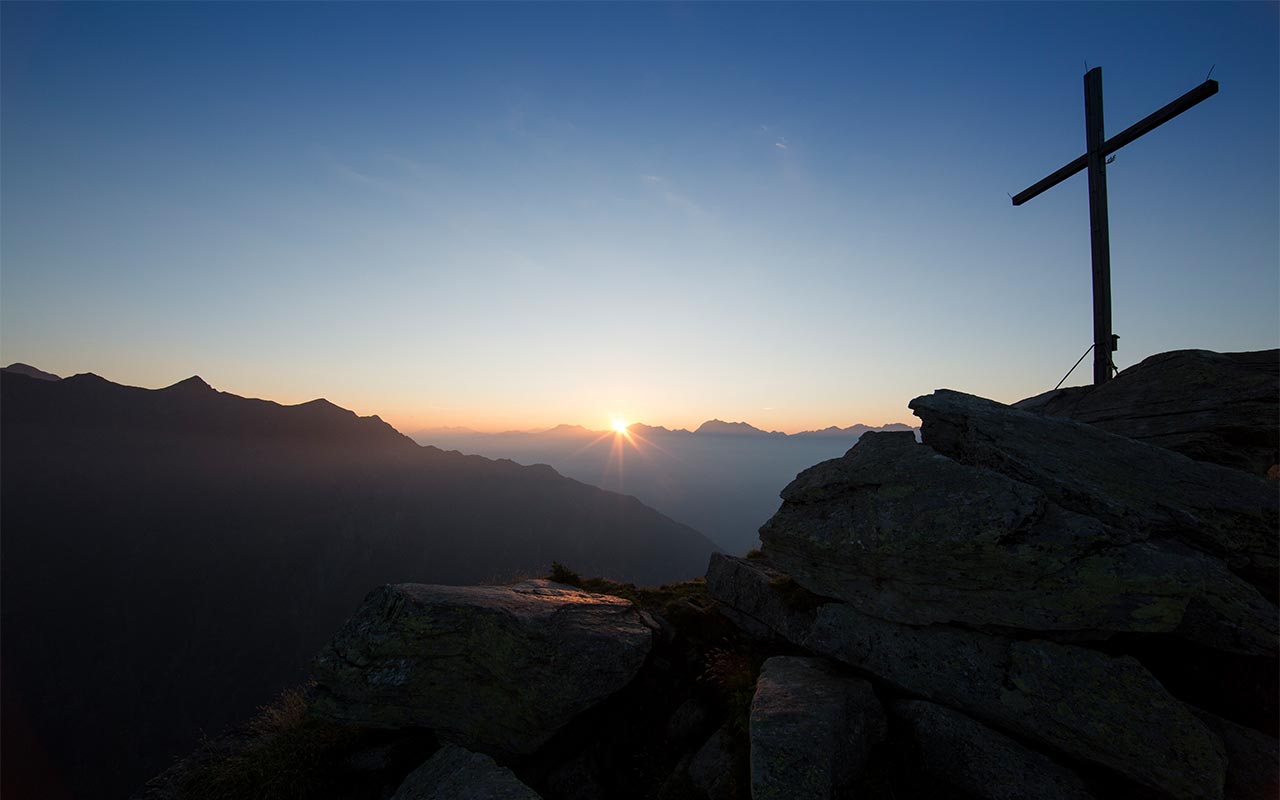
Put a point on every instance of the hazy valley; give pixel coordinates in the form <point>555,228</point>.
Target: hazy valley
<point>722,478</point>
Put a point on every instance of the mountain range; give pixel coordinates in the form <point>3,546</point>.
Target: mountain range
<point>722,478</point>
<point>174,557</point>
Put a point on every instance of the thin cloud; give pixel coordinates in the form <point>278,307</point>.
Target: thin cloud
<point>401,186</point>
<point>679,201</point>
<point>673,196</point>
<point>781,144</point>
<point>356,176</point>
<point>406,164</point>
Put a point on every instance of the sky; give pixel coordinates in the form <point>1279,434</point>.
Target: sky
<point>515,216</point>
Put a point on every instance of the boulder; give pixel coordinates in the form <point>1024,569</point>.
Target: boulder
<point>985,763</point>
<point>1253,759</point>
<point>1076,701</point>
<point>1146,491</point>
<point>1215,407</point>
<point>496,668</point>
<point>712,767</point>
<point>903,533</point>
<point>811,729</point>
<point>455,773</point>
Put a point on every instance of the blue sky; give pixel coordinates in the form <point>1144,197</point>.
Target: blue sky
<point>520,215</point>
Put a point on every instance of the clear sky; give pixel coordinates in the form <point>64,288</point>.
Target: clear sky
<point>509,216</point>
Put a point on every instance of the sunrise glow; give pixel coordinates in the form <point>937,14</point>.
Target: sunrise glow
<point>619,425</point>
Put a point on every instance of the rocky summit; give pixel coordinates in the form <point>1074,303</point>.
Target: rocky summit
<point>1070,597</point>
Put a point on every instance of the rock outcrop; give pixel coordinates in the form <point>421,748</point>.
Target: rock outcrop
<point>1073,700</point>
<point>903,533</point>
<point>1024,583</point>
<point>1215,407</point>
<point>1147,492</point>
<point>496,669</point>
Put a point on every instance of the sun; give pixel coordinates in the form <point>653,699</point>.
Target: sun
<point>619,424</point>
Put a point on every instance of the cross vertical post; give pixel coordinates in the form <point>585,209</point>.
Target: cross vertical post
<point>1099,234</point>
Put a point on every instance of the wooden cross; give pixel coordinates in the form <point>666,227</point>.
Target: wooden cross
<point>1095,159</point>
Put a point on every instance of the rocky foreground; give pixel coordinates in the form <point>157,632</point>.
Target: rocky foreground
<point>1025,605</point>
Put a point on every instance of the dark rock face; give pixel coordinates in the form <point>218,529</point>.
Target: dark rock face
<point>455,773</point>
<point>903,533</point>
<point>1145,491</point>
<point>497,669</point>
<point>711,767</point>
<point>1074,700</point>
<point>982,762</point>
<point>1252,759</point>
<point>1215,407</point>
<point>811,729</point>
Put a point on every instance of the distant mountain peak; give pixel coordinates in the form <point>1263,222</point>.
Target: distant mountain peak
<point>30,371</point>
<point>720,427</point>
<point>191,385</point>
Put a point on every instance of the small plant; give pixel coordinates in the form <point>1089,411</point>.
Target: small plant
<point>286,754</point>
<point>562,574</point>
<point>734,673</point>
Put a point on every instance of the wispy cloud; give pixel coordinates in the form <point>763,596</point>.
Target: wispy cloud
<point>673,196</point>
<point>781,144</point>
<point>406,164</point>
<point>405,179</point>
<point>350,173</point>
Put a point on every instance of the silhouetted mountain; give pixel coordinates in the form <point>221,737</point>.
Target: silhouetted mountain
<point>173,557</point>
<point>854,430</point>
<point>723,478</point>
<point>716,427</point>
<point>26,369</point>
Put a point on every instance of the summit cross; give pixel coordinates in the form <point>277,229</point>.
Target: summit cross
<point>1097,148</point>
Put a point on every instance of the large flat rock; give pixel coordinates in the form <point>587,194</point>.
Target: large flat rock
<point>1072,700</point>
<point>497,669</point>
<point>906,534</point>
<point>1148,491</point>
<point>1217,407</point>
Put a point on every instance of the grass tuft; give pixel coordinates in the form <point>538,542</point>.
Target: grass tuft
<point>284,754</point>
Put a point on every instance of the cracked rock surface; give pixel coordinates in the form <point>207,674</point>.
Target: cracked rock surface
<point>904,533</point>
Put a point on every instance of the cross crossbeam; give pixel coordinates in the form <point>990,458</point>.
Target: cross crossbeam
<point>1097,148</point>
<point>1197,95</point>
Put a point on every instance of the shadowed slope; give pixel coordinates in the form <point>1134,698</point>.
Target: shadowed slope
<point>173,557</point>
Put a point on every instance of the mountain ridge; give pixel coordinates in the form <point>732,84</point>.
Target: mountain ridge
<point>203,544</point>
<point>711,427</point>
